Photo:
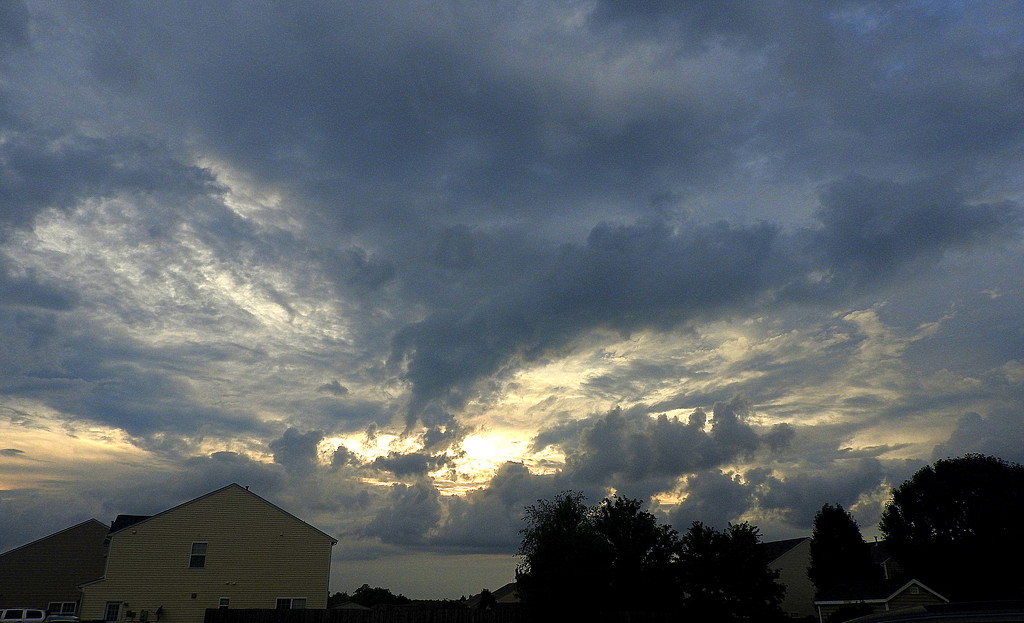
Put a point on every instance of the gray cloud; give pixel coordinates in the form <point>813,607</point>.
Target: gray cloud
<point>712,498</point>
<point>297,451</point>
<point>414,464</point>
<point>804,491</point>
<point>333,387</point>
<point>409,514</point>
<point>58,169</point>
<point>489,519</point>
<point>203,211</point>
<point>994,435</point>
<point>14,26</point>
<point>639,455</point>
<point>650,275</point>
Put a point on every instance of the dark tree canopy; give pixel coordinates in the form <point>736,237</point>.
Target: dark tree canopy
<point>565,562</point>
<point>644,554</point>
<point>370,596</point>
<point>954,525</point>
<point>577,558</point>
<point>839,555</point>
<point>616,555</point>
<point>726,575</point>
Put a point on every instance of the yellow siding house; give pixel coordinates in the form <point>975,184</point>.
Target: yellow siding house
<point>227,549</point>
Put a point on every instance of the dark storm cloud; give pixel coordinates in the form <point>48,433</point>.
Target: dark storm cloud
<point>804,491</point>
<point>29,291</point>
<point>206,473</point>
<point>470,188</point>
<point>936,83</point>
<point>55,169</point>
<point>114,381</point>
<point>409,514</point>
<point>640,455</point>
<point>870,227</point>
<point>412,464</point>
<point>14,26</point>
<point>296,451</point>
<point>625,278</point>
<point>652,275</point>
<point>698,22</point>
<point>712,498</point>
<point>342,456</point>
<point>997,434</point>
<point>490,518</point>
<point>156,491</point>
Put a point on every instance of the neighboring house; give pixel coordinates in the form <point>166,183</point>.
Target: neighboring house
<point>227,549</point>
<point>791,558</point>
<point>891,570</point>
<point>507,594</point>
<point>46,573</point>
<point>879,597</point>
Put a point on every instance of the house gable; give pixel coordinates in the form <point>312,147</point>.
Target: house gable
<point>135,520</point>
<point>229,544</point>
<point>50,569</point>
<point>791,558</point>
<point>882,597</point>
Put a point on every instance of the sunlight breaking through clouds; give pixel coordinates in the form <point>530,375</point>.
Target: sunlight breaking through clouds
<point>407,269</point>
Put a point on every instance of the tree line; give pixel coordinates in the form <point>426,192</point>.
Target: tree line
<point>953,525</point>
<point>579,559</point>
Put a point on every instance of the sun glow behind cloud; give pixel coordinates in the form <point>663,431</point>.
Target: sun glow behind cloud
<point>225,259</point>
<point>46,450</point>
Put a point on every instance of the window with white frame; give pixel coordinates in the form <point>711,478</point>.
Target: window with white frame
<point>198,558</point>
<point>224,603</point>
<point>291,603</point>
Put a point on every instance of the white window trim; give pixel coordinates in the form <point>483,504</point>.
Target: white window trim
<point>192,554</point>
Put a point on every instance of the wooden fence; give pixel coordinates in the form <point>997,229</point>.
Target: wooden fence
<point>416,615</point>
<point>389,615</point>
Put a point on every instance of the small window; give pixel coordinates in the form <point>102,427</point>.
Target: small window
<point>198,558</point>
<point>62,607</point>
<point>224,603</point>
<point>294,603</point>
<point>112,611</point>
<point>12,614</point>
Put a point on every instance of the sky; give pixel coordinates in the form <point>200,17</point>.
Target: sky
<point>405,267</point>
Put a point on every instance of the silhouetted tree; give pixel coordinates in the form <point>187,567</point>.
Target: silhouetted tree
<point>839,555</point>
<point>487,600</point>
<point>565,562</point>
<point>578,558</point>
<point>644,554</point>
<point>726,575</point>
<point>337,598</point>
<point>369,596</point>
<point>955,526</point>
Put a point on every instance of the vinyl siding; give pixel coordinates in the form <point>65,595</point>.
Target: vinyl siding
<point>908,599</point>
<point>792,567</point>
<point>51,568</point>
<point>256,553</point>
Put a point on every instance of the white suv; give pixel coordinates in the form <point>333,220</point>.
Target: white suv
<point>22,615</point>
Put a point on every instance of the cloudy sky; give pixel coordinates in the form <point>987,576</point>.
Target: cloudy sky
<point>404,267</point>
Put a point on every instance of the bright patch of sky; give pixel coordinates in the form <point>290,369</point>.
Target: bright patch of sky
<point>406,268</point>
